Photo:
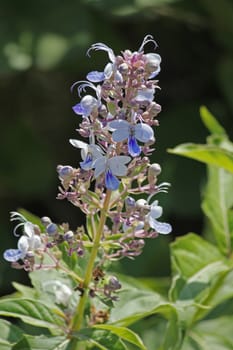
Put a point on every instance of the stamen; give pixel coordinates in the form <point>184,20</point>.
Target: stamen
<point>146,40</point>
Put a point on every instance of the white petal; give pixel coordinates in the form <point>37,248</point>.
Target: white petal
<point>156,210</point>
<point>117,166</point>
<point>119,124</point>
<point>108,70</point>
<point>23,244</point>
<point>36,242</point>
<point>160,227</point>
<point>144,132</point>
<point>100,166</point>
<point>145,95</point>
<point>121,130</point>
<point>96,151</point>
<point>78,144</point>
<point>29,229</point>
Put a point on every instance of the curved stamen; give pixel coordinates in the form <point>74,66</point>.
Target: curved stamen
<point>163,187</point>
<point>83,86</point>
<point>148,38</point>
<point>16,228</point>
<point>103,47</point>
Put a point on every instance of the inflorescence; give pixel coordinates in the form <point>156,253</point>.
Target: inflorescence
<point>117,119</point>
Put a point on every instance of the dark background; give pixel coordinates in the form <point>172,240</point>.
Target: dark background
<point>43,52</point>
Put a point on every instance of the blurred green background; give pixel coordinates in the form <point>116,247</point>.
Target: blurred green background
<point>43,52</point>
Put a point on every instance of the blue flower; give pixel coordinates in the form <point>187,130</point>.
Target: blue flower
<point>144,95</point>
<point>155,212</point>
<point>111,167</point>
<point>124,130</point>
<point>88,103</point>
<point>28,242</point>
<point>89,153</point>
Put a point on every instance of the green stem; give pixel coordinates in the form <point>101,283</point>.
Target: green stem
<point>78,318</point>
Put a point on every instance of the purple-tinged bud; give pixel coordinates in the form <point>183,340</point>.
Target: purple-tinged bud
<point>45,220</point>
<point>129,202</point>
<point>64,171</point>
<point>153,172</point>
<point>68,235</point>
<point>80,251</point>
<point>154,109</point>
<point>123,68</point>
<point>52,229</point>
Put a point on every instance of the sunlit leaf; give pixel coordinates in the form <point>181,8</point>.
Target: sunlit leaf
<point>123,333</point>
<point>208,154</point>
<point>211,122</point>
<point>32,312</point>
<point>102,339</point>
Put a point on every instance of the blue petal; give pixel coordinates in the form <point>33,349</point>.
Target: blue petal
<point>95,76</point>
<point>87,163</point>
<point>78,109</point>
<point>12,255</point>
<point>133,148</point>
<point>111,181</point>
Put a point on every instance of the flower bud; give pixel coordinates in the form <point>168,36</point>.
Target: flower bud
<point>123,68</point>
<point>68,235</point>
<point>45,220</point>
<point>52,229</point>
<point>64,171</point>
<point>153,172</point>
<point>129,202</point>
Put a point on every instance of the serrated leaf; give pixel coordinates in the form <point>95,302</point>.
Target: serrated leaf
<point>25,291</point>
<point>42,342</point>
<point>211,123</point>
<point>32,312</point>
<point>9,335</point>
<point>123,333</point>
<point>208,154</point>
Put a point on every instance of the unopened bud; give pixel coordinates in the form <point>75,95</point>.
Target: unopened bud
<point>64,171</point>
<point>68,235</point>
<point>153,172</point>
<point>52,229</point>
<point>45,220</point>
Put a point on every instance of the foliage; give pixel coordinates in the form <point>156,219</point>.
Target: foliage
<point>197,307</point>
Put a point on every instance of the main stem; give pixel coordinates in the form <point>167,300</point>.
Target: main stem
<point>78,318</point>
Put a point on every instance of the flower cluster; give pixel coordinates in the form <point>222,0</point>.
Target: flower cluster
<point>117,120</point>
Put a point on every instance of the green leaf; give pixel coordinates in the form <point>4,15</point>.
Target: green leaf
<point>217,206</point>
<point>24,291</point>
<point>208,154</point>
<point>211,123</point>
<point>123,333</point>
<point>199,272</point>
<point>32,312</point>
<point>213,334</point>
<point>136,304</point>
<point>42,342</point>
<point>9,335</point>
<point>102,339</point>
<point>191,253</point>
